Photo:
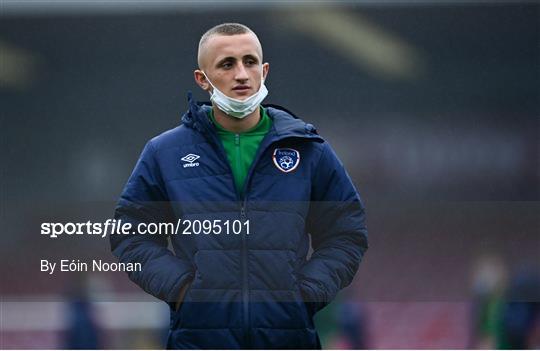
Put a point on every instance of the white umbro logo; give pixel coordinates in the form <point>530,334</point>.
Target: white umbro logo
<point>190,160</point>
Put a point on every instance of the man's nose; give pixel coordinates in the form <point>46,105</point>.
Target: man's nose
<point>241,72</point>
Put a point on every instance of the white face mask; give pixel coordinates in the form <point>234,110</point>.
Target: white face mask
<point>234,107</point>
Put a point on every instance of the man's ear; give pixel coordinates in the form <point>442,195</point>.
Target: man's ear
<point>201,80</point>
<point>265,69</point>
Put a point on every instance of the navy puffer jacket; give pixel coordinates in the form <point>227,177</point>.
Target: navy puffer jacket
<point>256,290</point>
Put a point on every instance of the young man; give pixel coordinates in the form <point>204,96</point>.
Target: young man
<point>250,184</point>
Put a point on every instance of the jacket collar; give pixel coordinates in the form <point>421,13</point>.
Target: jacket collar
<point>284,123</point>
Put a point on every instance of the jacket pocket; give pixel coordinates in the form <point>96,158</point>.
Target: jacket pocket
<point>176,320</point>
<point>300,300</point>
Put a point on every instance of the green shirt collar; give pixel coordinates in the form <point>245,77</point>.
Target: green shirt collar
<point>262,127</point>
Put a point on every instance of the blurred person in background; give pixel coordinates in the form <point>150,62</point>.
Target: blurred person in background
<point>352,322</point>
<point>520,316</point>
<point>239,160</point>
<point>343,323</point>
<point>82,332</point>
<point>489,284</point>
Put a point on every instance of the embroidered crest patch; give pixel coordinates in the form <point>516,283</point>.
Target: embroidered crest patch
<point>286,160</point>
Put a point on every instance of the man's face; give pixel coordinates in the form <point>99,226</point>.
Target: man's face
<point>233,63</point>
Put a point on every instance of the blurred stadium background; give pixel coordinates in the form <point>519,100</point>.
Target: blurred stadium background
<point>432,106</point>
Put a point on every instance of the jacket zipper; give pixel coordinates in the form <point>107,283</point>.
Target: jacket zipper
<point>265,143</point>
<point>245,280</point>
<point>242,202</point>
<point>245,275</point>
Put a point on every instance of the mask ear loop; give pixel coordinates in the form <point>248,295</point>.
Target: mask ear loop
<point>209,81</point>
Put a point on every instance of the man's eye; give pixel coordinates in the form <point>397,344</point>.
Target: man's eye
<point>250,62</point>
<point>226,65</point>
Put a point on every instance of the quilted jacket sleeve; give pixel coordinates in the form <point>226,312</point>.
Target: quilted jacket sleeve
<point>336,222</point>
<point>144,200</point>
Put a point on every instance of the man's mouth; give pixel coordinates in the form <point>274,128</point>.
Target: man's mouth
<point>241,88</point>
